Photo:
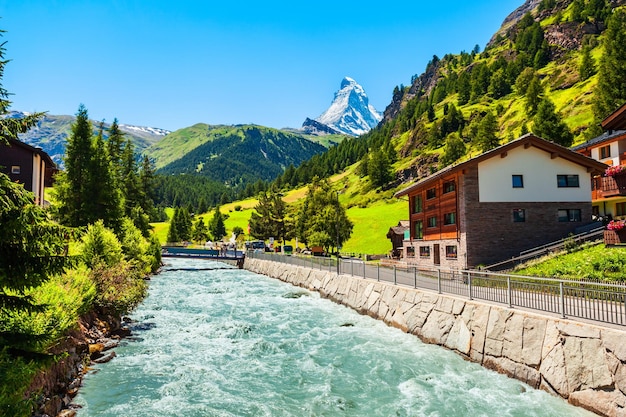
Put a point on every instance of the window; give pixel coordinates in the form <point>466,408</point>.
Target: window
<point>15,169</point>
<point>518,181</point>
<point>432,221</point>
<point>567,181</point>
<point>569,215</point>
<point>451,252</point>
<point>449,218</point>
<point>418,228</point>
<point>410,251</point>
<point>605,152</point>
<point>519,215</point>
<point>418,204</point>
<point>432,193</point>
<point>448,187</point>
<point>620,209</point>
<point>424,251</point>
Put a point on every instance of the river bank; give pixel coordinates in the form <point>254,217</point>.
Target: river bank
<point>582,363</point>
<point>92,341</point>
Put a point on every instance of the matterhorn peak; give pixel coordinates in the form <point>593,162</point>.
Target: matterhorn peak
<point>350,112</point>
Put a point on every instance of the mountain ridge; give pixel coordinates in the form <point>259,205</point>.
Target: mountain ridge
<point>52,131</point>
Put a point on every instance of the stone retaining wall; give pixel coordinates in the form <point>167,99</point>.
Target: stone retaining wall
<point>583,363</point>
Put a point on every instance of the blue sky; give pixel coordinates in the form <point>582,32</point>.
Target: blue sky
<point>171,64</point>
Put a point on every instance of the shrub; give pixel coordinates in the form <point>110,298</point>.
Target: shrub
<point>119,288</point>
<point>100,245</point>
<point>134,247</point>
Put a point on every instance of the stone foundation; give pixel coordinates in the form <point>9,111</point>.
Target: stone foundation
<point>583,363</point>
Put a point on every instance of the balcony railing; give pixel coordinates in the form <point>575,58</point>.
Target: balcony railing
<point>609,186</point>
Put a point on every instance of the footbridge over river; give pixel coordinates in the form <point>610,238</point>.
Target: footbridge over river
<point>233,257</point>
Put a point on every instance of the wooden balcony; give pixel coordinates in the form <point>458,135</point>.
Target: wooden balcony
<point>603,187</point>
<point>615,237</point>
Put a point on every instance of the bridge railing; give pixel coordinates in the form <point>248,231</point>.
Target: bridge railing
<point>592,300</point>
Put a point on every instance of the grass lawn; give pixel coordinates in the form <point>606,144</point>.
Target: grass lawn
<point>591,262</point>
<point>371,225</point>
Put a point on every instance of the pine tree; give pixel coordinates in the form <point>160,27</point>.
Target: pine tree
<point>379,169</point>
<point>216,225</point>
<point>455,148</point>
<point>129,180</point>
<point>103,200</point>
<point>548,124</point>
<point>464,88</point>
<point>610,92</point>
<point>32,249</point>
<point>499,85</point>
<point>71,184</point>
<point>146,186</point>
<point>486,134</point>
<point>533,96</point>
<point>172,234</point>
<point>270,218</point>
<point>200,231</point>
<point>587,67</point>
<point>115,147</point>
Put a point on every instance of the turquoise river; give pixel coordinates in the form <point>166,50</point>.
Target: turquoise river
<point>210,340</point>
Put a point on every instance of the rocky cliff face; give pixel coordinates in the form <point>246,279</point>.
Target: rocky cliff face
<point>313,127</point>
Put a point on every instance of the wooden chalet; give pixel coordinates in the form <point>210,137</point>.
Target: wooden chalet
<point>396,235</point>
<point>27,165</point>
<point>609,189</point>
<point>520,195</point>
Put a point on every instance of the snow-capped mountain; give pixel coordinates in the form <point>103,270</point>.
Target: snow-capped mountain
<point>350,112</point>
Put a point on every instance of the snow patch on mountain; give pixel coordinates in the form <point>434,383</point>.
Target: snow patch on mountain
<point>350,112</point>
<point>142,129</point>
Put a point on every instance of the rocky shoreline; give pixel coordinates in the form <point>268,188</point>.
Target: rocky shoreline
<point>55,387</point>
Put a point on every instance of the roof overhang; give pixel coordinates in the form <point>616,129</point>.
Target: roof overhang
<point>528,140</point>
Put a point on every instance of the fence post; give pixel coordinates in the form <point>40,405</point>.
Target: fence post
<point>378,272</point>
<point>414,277</point>
<point>562,297</point>
<point>469,284</point>
<point>508,291</point>
<point>352,267</point>
<point>395,280</point>
<point>439,281</point>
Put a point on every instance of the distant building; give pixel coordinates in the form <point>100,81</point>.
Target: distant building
<point>490,208</point>
<point>396,235</point>
<point>27,165</point>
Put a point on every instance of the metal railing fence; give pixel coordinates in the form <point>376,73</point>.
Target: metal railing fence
<point>591,300</point>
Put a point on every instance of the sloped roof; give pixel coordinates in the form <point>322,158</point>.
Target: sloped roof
<point>527,140</point>
<point>616,120</point>
<point>605,137</point>
<point>39,151</point>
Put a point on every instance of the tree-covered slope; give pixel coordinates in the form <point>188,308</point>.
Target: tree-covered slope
<point>232,154</point>
<point>556,68</point>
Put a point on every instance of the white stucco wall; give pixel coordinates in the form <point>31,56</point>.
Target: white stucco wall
<point>616,149</point>
<point>540,178</point>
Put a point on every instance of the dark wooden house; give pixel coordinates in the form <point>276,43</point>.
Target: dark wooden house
<point>27,165</point>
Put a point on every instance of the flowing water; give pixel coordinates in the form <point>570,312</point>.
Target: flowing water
<point>215,341</point>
